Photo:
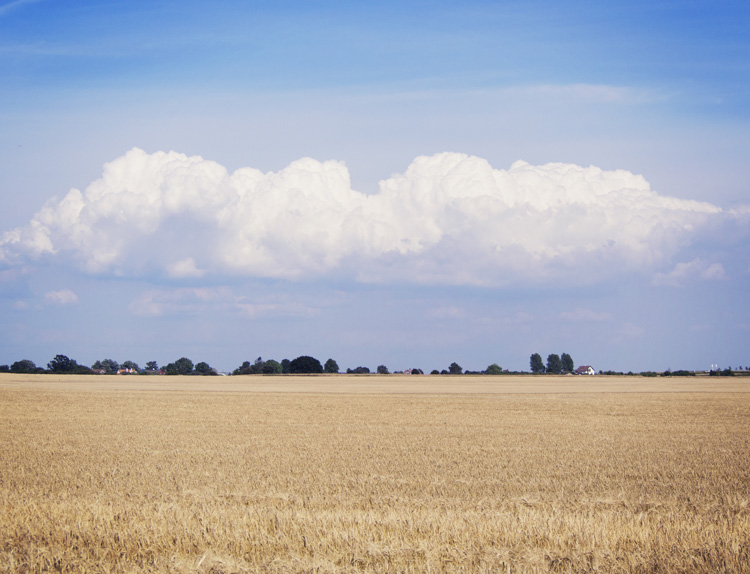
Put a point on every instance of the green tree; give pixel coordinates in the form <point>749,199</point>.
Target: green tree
<point>244,369</point>
<point>24,366</point>
<point>567,363</point>
<point>383,370</point>
<point>285,366</point>
<point>494,369</point>
<point>537,366</point>
<point>183,366</point>
<point>331,366</point>
<point>455,369</point>
<point>204,368</point>
<point>554,364</point>
<point>152,366</point>
<point>271,367</point>
<point>305,365</point>
<point>61,364</point>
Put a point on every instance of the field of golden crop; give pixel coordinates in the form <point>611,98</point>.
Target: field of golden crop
<point>336,474</point>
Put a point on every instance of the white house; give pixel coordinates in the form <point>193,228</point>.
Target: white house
<point>585,370</point>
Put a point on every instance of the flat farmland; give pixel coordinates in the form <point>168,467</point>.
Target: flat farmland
<point>374,474</point>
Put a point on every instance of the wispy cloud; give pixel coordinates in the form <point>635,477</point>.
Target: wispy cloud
<point>214,300</point>
<point>590,93</point>
<point>255,309</point>
<point>159,302</point>
<point>581,314</point>
<point>447,312</point>
<point>695,269</point>
<point>4,9</point>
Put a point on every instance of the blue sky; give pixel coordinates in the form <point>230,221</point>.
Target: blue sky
<point>408,184</point>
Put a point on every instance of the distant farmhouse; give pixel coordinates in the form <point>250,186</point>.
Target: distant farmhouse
<point>585,370</point>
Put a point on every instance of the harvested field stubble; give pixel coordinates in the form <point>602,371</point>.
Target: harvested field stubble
<point>97,480</point>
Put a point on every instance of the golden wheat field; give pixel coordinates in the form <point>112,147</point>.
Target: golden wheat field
<point>390,474</point>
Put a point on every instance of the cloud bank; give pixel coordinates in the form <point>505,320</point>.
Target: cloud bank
<point>449,218</point>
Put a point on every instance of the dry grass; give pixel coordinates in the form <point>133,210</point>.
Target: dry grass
<point>384,384</point>
<point>96,476</point>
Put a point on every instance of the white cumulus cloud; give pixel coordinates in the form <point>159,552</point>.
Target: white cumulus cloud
<point>184,268</point>
<point>449,218</point>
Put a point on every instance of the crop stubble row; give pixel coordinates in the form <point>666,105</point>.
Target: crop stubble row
<point>259,482</point>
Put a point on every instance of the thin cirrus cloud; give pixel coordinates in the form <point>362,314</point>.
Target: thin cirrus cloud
<point>449,218</point>
<point>5,8</point>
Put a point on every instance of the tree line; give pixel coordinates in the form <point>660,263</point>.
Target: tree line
<point>61,364</point>
<point>305,364</point>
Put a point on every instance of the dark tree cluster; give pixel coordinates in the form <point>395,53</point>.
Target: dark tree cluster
<point>456,369</point>
<point>725,373</point>
<point>61,364</point>
<point>112,367</point>
<point>358,371</point>
<point>556,364</point>
<point>25,366</point>
<point>184,366</point>
<point>453,369</point>
<point>305,365</point>
<point>261,367</point>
